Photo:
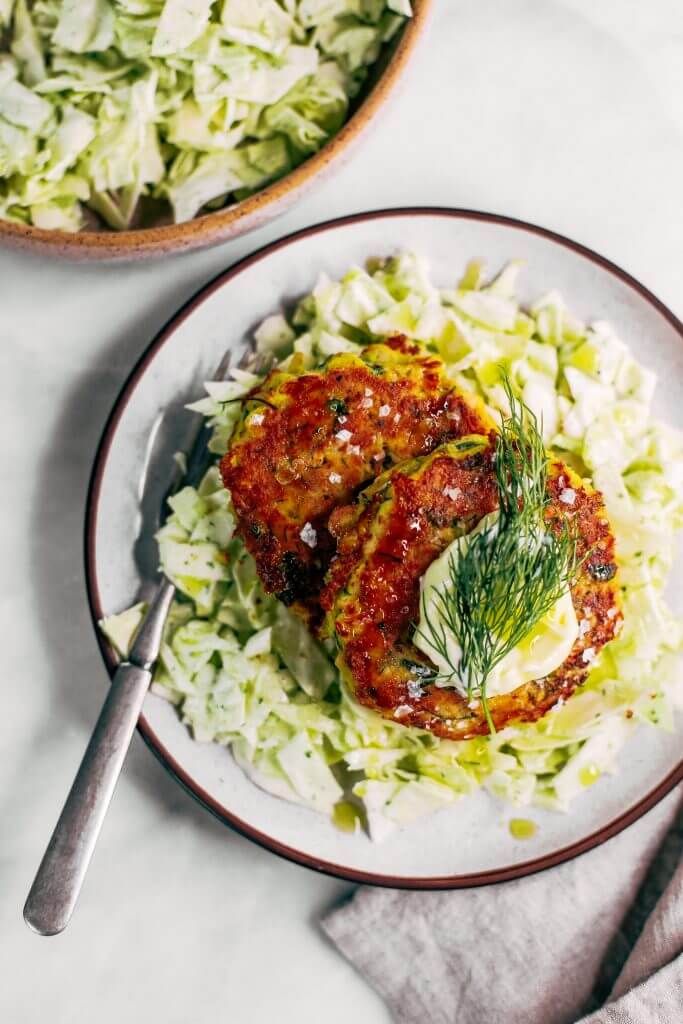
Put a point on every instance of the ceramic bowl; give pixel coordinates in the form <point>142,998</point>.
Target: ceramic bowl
<point>252,213</point>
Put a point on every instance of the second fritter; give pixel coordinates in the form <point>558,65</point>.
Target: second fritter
<point>389,538</point>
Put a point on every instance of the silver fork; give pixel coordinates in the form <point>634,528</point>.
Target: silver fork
<point>59,878</point>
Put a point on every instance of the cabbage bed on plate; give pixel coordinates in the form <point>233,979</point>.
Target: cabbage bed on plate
<point>192,102</point>
<point>243,671</point>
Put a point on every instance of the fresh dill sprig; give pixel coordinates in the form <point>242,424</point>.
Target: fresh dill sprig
<point>511,572</point>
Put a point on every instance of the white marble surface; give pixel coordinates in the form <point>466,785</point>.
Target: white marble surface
<point>568,114</point>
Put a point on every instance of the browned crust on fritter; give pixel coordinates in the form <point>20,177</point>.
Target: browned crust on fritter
<point>372,594</point>
<point>292,463</point>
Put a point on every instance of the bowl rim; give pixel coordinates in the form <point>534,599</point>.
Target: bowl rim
<point>175,769</point>
<point>240,218</point>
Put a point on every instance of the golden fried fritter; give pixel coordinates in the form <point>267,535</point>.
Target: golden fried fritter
<point>386,542</point>
<point>308,442</point>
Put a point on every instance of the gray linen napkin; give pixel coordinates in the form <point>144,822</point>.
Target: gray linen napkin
<point>539,950</point>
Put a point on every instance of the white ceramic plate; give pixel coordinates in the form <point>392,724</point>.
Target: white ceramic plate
<point>468,843</point>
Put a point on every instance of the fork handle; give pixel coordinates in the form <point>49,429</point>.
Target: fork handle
<point>60,876</point>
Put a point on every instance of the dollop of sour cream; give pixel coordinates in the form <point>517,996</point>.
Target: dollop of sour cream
<point>543,649</point>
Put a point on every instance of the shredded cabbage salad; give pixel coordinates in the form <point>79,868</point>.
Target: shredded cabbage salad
<point>244,671</point>
<point>190,102</point>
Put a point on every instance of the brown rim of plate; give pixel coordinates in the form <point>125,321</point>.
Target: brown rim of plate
<point>250,214</point>
<point>463,881</point>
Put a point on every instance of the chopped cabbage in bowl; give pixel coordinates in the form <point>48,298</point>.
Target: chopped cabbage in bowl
<point>244,671</point>
<point>192,102</point>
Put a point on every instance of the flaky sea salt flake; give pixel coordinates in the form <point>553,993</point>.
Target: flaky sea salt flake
<point>309,535</point>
